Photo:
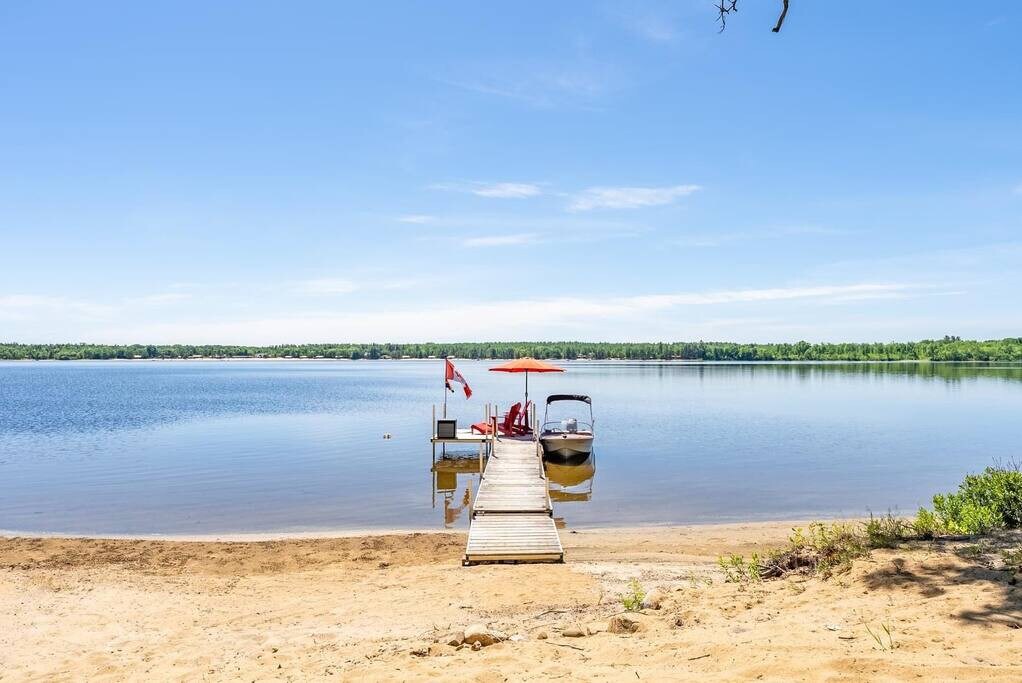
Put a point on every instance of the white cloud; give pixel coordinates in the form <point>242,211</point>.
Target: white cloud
<point>500,240</point>
<point>507,190</point>
<point>493,190</point>
<point>822,292</point>
<point>628,197</point>
<point>415,218</point>
<point>158,299</point>
<point>327,285</point>
<point>710,239</point>
<point>14,307</point>
<point>623,318</point>
<point>540,85</point>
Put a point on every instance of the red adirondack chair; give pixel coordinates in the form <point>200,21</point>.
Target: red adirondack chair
<point>522,426</point>
<point>507,427</point>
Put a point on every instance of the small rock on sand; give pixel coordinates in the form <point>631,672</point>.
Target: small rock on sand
<point>420,649</point>
<point>453,638</point>
<point>620,624</point>
<point>541,635</point>
<point>573,632</point>
<point>653,599</point>
<point>479,634</point>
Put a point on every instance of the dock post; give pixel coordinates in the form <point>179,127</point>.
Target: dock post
<point>481,446</point>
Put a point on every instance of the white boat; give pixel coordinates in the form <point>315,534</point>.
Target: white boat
<point>568,440</point>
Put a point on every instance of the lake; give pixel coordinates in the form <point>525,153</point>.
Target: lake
<point>206,447</point>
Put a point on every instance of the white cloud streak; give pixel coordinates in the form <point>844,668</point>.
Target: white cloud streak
<point>16,307</point>
<point>507,190</point>
<point>702,240</point>
<point>628,197</point>
<point>501,240</point>
<point>417,218</point>
<point>643,316</point>
<point>502,190</point>
<point>327,285</point>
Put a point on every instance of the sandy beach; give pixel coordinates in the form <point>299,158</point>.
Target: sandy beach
<point>378,607</point>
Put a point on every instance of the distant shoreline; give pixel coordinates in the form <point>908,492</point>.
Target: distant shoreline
<point>588,361</point>
<point>615,361</point>
<point>948,348</point>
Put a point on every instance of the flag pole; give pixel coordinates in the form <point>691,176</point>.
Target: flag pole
<point>445,386</point>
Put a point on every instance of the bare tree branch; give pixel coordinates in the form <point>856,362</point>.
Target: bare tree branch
<point>780,19</point>
<point>728,7</point>
<point>724,8</point>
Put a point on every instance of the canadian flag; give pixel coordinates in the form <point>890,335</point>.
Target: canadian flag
<point>452,374</point>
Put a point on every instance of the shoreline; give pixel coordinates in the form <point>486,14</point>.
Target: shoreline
<point>341,533</point>
<point>587,361</point>
<point>384,606</point>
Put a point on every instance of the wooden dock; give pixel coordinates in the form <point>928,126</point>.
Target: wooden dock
<point>512,515</point>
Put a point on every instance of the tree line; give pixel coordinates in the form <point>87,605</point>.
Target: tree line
<point>947,349</point>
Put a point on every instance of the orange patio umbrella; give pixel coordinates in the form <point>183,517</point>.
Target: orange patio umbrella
<point>526,365</point>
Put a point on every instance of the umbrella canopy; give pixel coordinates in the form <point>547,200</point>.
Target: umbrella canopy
<point>526,365</point>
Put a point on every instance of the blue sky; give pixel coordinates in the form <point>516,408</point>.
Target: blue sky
<point>302,172</point>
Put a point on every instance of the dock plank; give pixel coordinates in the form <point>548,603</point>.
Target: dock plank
<point>511,512</point>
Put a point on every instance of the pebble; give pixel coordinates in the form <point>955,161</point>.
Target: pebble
<point>573,632</point>
<point>653,599</point>
<point>452,638</point>
<point>620,624</point>
<point>477,634</point>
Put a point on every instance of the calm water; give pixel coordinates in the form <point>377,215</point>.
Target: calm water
<point>209,447</point>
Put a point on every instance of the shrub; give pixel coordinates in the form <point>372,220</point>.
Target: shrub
<point>926,524</point>
<point>632,600</point>
<point>1012,559</point>
<point>887,531</point>
<point>739,570</point>
<point>983,502</point>
<point>834,545</point>
<point>999,489</point>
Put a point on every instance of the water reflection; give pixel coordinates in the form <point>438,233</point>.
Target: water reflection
<point>455,496</point>
<point>456,477</point>
<point>571,483</point>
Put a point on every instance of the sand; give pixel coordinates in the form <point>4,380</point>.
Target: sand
<point>369,608</point>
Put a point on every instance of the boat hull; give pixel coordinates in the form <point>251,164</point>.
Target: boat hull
<point>567,447</point>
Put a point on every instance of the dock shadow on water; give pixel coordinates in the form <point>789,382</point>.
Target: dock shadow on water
<point>456,478</point>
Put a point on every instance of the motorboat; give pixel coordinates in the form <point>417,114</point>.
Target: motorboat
<point>569,440</point>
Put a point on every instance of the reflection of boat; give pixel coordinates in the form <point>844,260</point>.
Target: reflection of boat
<point>567,476</point>
<point>569,440</point>
<point>571,483</point>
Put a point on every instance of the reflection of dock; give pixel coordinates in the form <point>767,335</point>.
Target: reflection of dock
<point>445,482</point>
<point>511,513</point>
